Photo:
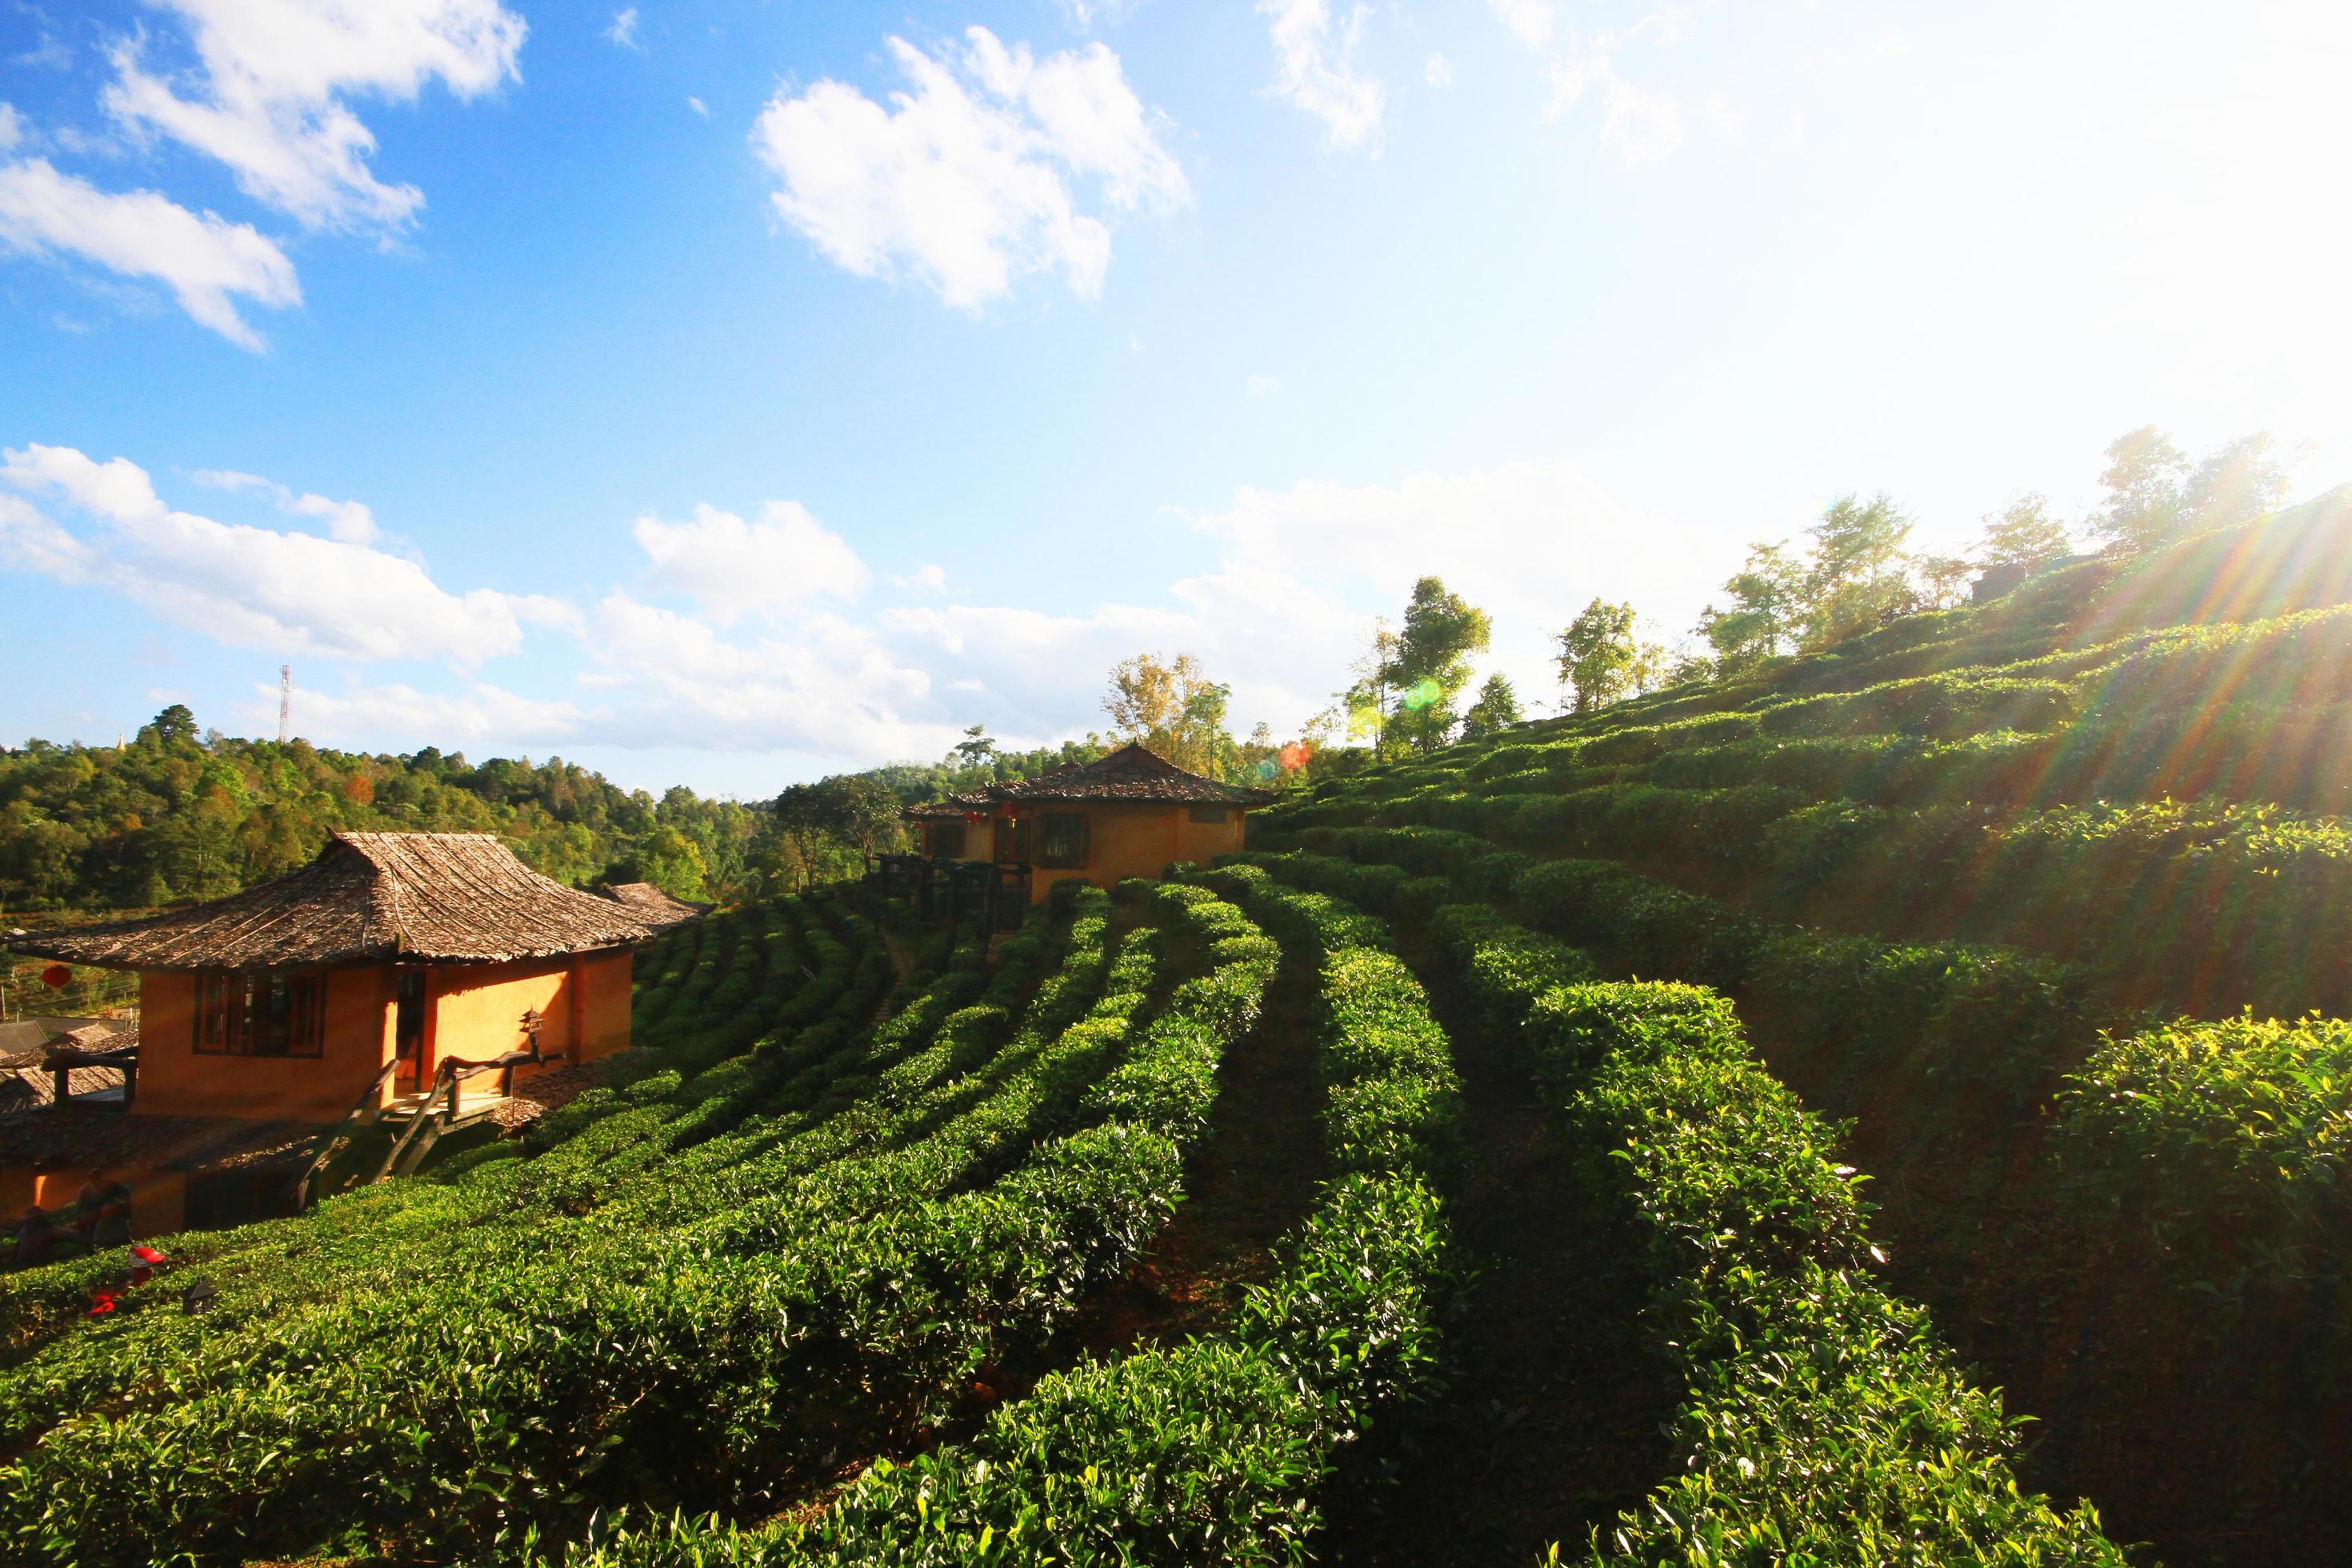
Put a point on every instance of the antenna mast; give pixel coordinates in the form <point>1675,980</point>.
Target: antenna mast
<point>285,701</point>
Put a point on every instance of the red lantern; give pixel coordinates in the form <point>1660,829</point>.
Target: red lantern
<point>976,817</point>
<point>57,977</point>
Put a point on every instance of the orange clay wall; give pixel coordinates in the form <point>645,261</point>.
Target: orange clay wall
<point>474,1011</point>
<point>1138,841</point>
<point>605,1005</point>
<point>158,1198</point>
<point>174,1080</point>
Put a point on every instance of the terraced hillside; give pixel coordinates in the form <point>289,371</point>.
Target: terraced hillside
<point>1698,1131</point>
<point>2015,895</point>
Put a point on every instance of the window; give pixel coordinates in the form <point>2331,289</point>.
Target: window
<point>1210,814</point>
<point>947,840</point>
<point>258,1016</point>
<point>1061,840</point>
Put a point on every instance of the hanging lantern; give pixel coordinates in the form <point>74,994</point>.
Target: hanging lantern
<point>974,818</point>
<point>57,977</point>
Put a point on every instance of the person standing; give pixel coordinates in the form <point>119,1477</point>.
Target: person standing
<point>90,1205</point>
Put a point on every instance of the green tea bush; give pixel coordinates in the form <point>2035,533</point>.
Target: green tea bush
<point>1822,1422</point>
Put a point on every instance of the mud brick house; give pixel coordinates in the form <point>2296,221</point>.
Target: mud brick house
<point>338,991</point>
<point>1130,814</point>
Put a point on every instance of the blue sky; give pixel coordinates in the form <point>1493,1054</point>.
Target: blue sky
<point>725,394</point>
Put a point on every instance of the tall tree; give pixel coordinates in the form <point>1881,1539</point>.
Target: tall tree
<point>2022,533</point>
<point>2143,484</point>
<point>1858,576</point>
<point>1596,658</point>
<point>1431,665</point>
<point>2238,482</point>
<point>806,815</point>
<point>1497,709</point>
<point>863,810</point>
<point>1365,703</point>
<point>1767,599</point>
<point>974,749</point>
<point>2154,495</point>
<point>1172,707</point>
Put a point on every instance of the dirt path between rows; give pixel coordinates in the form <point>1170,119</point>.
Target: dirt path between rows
<point>1552,1420</point>
<point>1248,1182</point>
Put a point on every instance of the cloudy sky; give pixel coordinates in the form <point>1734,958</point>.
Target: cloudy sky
<point>722,393</point>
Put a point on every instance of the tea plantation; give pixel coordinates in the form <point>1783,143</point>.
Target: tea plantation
<point>1886,1108</point>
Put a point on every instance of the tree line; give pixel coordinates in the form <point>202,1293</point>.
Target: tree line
<point>176,815</point>
<point>1857,571</point>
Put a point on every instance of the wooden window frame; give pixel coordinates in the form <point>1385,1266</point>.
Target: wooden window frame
<point>240,1015</point>
<point>947,840</point>
<point>1066,859</point>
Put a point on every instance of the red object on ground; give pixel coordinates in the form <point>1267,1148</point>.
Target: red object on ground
<point>56,976</point>
<point>143,1260</point>
<point>101,1303</point>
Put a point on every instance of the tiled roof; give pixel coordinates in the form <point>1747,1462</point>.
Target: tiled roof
<point>458,896</point>
<point>79,1136</point>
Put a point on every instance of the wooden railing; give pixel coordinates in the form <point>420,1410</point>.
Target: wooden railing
<point>424,1128</point>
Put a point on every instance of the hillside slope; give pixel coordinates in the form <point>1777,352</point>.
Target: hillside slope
<point>2013,888</point>
<point>1444,1181</point>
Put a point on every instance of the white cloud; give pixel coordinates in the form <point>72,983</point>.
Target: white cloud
<point>697,105</point>
<point>1437,72</point>
<point>1531,21</point>
<point>778,564</point>
<point>1264,385</point>
<point>1135,342</point>
<point>52,53</point>
<point>1639,125</point>
<point>204,259</point>
<point>1315,68</point>
<point>351,521</point>
<point>266,96</point>
<point>623,33</point>
<point>831,687</point>
<point>252,587</point>
<point>12,129</point>
<point>479,715</point>
<point>1528,542</point>
<point>929,578</point>
<point>1085,13</point>
<point>966,180</point>
<point>1298,574</point>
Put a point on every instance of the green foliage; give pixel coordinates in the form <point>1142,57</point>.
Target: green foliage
<point>1823,1422</point>
<point>2219,1147</point>
<point>173,816</point>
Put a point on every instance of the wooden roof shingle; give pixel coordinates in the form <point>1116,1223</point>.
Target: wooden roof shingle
<point>431,896</point>
<point>1134,772</point>
<point>653,906</point>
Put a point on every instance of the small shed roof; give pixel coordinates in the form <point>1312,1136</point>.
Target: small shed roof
<point>651,904</point>
<point>435,897</point>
